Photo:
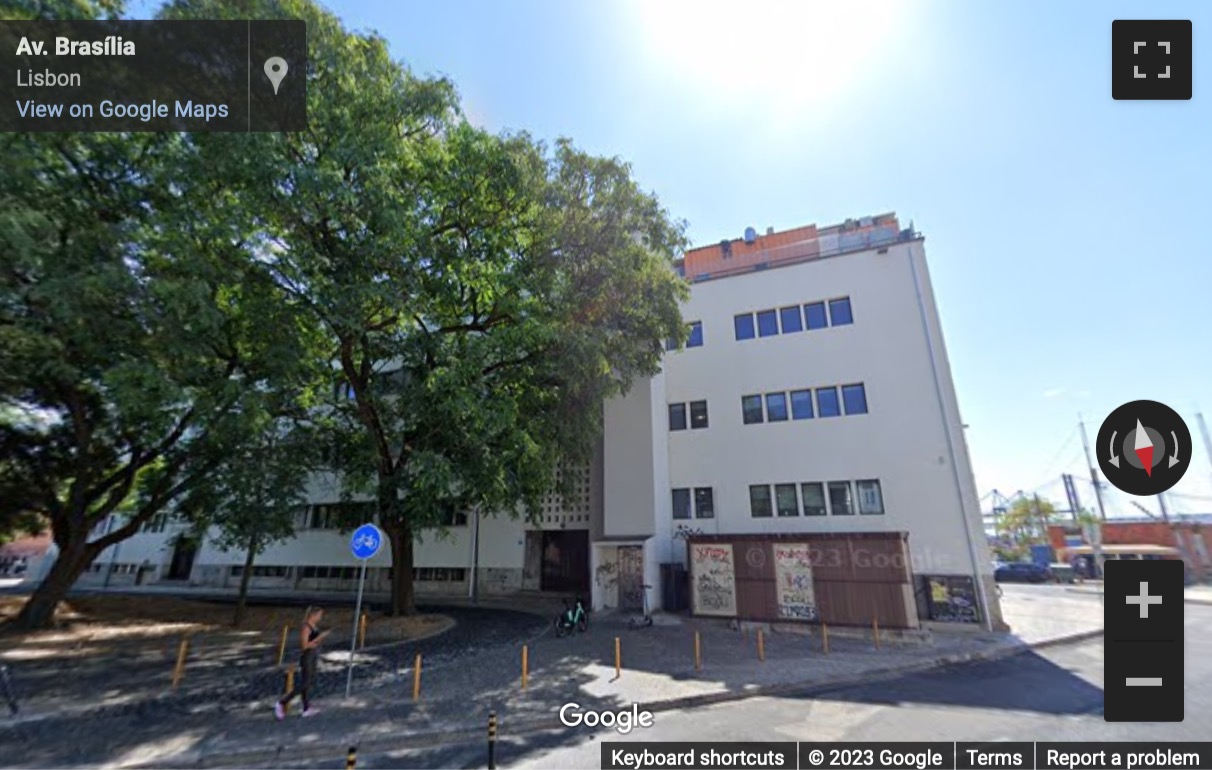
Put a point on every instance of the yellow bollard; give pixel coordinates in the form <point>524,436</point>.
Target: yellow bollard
<point>416,679</point>
<point>761,646</point>
<point>282,644</point>
<point>290,686</point>
<point>698,654</point>
<point>179,669</point>
<point>362,632</point>
<point>825,637</point>
<point>525,665</point>
<point>875,631</point>
<point>618,657</point>
<point>351,760</point>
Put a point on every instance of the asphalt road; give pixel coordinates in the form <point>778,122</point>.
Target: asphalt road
<point>1053,694</point>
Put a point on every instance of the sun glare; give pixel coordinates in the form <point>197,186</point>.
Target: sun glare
<point>774,55</point>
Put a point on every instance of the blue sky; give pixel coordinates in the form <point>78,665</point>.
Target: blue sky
<point>1064,230</point>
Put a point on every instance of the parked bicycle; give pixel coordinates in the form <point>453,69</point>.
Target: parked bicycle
<point>646,619</point>
<point>574,617</point>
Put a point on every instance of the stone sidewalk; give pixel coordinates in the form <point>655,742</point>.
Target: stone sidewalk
<point>459,690</point>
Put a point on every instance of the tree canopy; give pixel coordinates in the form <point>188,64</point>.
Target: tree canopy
<point>451,305</point>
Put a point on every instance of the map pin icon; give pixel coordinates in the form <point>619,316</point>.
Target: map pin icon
<point>275,70</point>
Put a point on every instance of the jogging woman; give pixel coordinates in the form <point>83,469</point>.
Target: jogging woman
<point>310,639</point>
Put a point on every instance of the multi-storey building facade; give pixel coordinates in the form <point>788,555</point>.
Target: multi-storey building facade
<point>814,396</point>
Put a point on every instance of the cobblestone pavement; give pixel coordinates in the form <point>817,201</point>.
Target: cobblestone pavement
<point>476,668</point>
<point>139,686</point>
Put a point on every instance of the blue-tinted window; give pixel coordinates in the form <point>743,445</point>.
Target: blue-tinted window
<point>696,335</point>
<point>839,312</point>
<point>681,503</point>
<point>751,409</point>
<point>744,326</point>
<point>814,315</point>
<point>854,398</point>
<point>698,414</point>
<point>704,503</point>
<point>759,501</point>
<point>826,402</point>
<point>792,320</point>
<point>768,323</point>
<point>776,407</point>
<point>813,494</point>
<point>801,404</point>
<point>677,417</point>
<point>841,498</point>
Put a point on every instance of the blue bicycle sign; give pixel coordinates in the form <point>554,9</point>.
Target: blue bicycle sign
<point>366,541</point>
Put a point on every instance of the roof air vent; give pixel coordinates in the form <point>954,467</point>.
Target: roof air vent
<point>750,235</point>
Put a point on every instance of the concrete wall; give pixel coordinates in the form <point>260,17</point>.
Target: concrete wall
<point>631,462</point>
<point>906,440</point>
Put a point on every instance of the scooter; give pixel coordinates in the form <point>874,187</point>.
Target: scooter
<point>574,616</point>
<point>646,620</point>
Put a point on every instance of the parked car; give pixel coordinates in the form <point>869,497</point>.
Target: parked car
<point>1022,572</point>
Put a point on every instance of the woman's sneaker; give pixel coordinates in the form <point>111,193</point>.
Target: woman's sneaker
<point>279,711</point>
<point>310,712</point>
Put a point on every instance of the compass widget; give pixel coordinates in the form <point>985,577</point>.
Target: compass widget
<point>1144,448</point>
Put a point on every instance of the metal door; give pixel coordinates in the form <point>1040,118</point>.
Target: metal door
<point>631,577</point>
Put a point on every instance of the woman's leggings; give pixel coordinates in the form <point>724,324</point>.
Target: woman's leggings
<point>307,673</point>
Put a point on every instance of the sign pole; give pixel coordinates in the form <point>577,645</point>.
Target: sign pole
<point>353,641</point>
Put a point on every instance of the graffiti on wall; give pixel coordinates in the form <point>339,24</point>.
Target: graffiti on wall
<point>714,583</point>
<point>606,574</point>
<point>793,576</point>
<point>952,599</point>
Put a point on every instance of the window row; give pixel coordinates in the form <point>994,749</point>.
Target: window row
<point>794,318</point>
<point>694,340</point>
<point>423,574</point>
<point>264,571</point>
<point>800,405</point>
<point>815,498</point>
<point>697,413</point>
<point>704,503</point>
<point>350,515</point>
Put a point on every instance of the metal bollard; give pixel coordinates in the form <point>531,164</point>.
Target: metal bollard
<point>875,631</point>
<point>698,656</point>
<point>761,646</point>
<point>618,657</point>
<point>282,644</point>
<point>290,686</point>
<point>492,740</point>
<point>179,669</point>
<point>525,665</point>
<point>351,759</point>
<point>825,637</point>
<point>362,631</point>
<point>416,679</point>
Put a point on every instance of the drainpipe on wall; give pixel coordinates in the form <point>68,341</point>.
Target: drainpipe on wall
<point>472,583</point>
<point>959,486</point>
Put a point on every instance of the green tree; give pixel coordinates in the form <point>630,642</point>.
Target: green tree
<point>1026,520</point>
<point>254,497</point>
<point>136,354</point>
<point>481,294</point>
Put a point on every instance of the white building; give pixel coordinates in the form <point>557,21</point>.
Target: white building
<point>815,396</point>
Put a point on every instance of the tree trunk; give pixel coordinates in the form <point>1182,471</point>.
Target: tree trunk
<point>245,578</point>
<point>39,609</point>
<point>403,599</point>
